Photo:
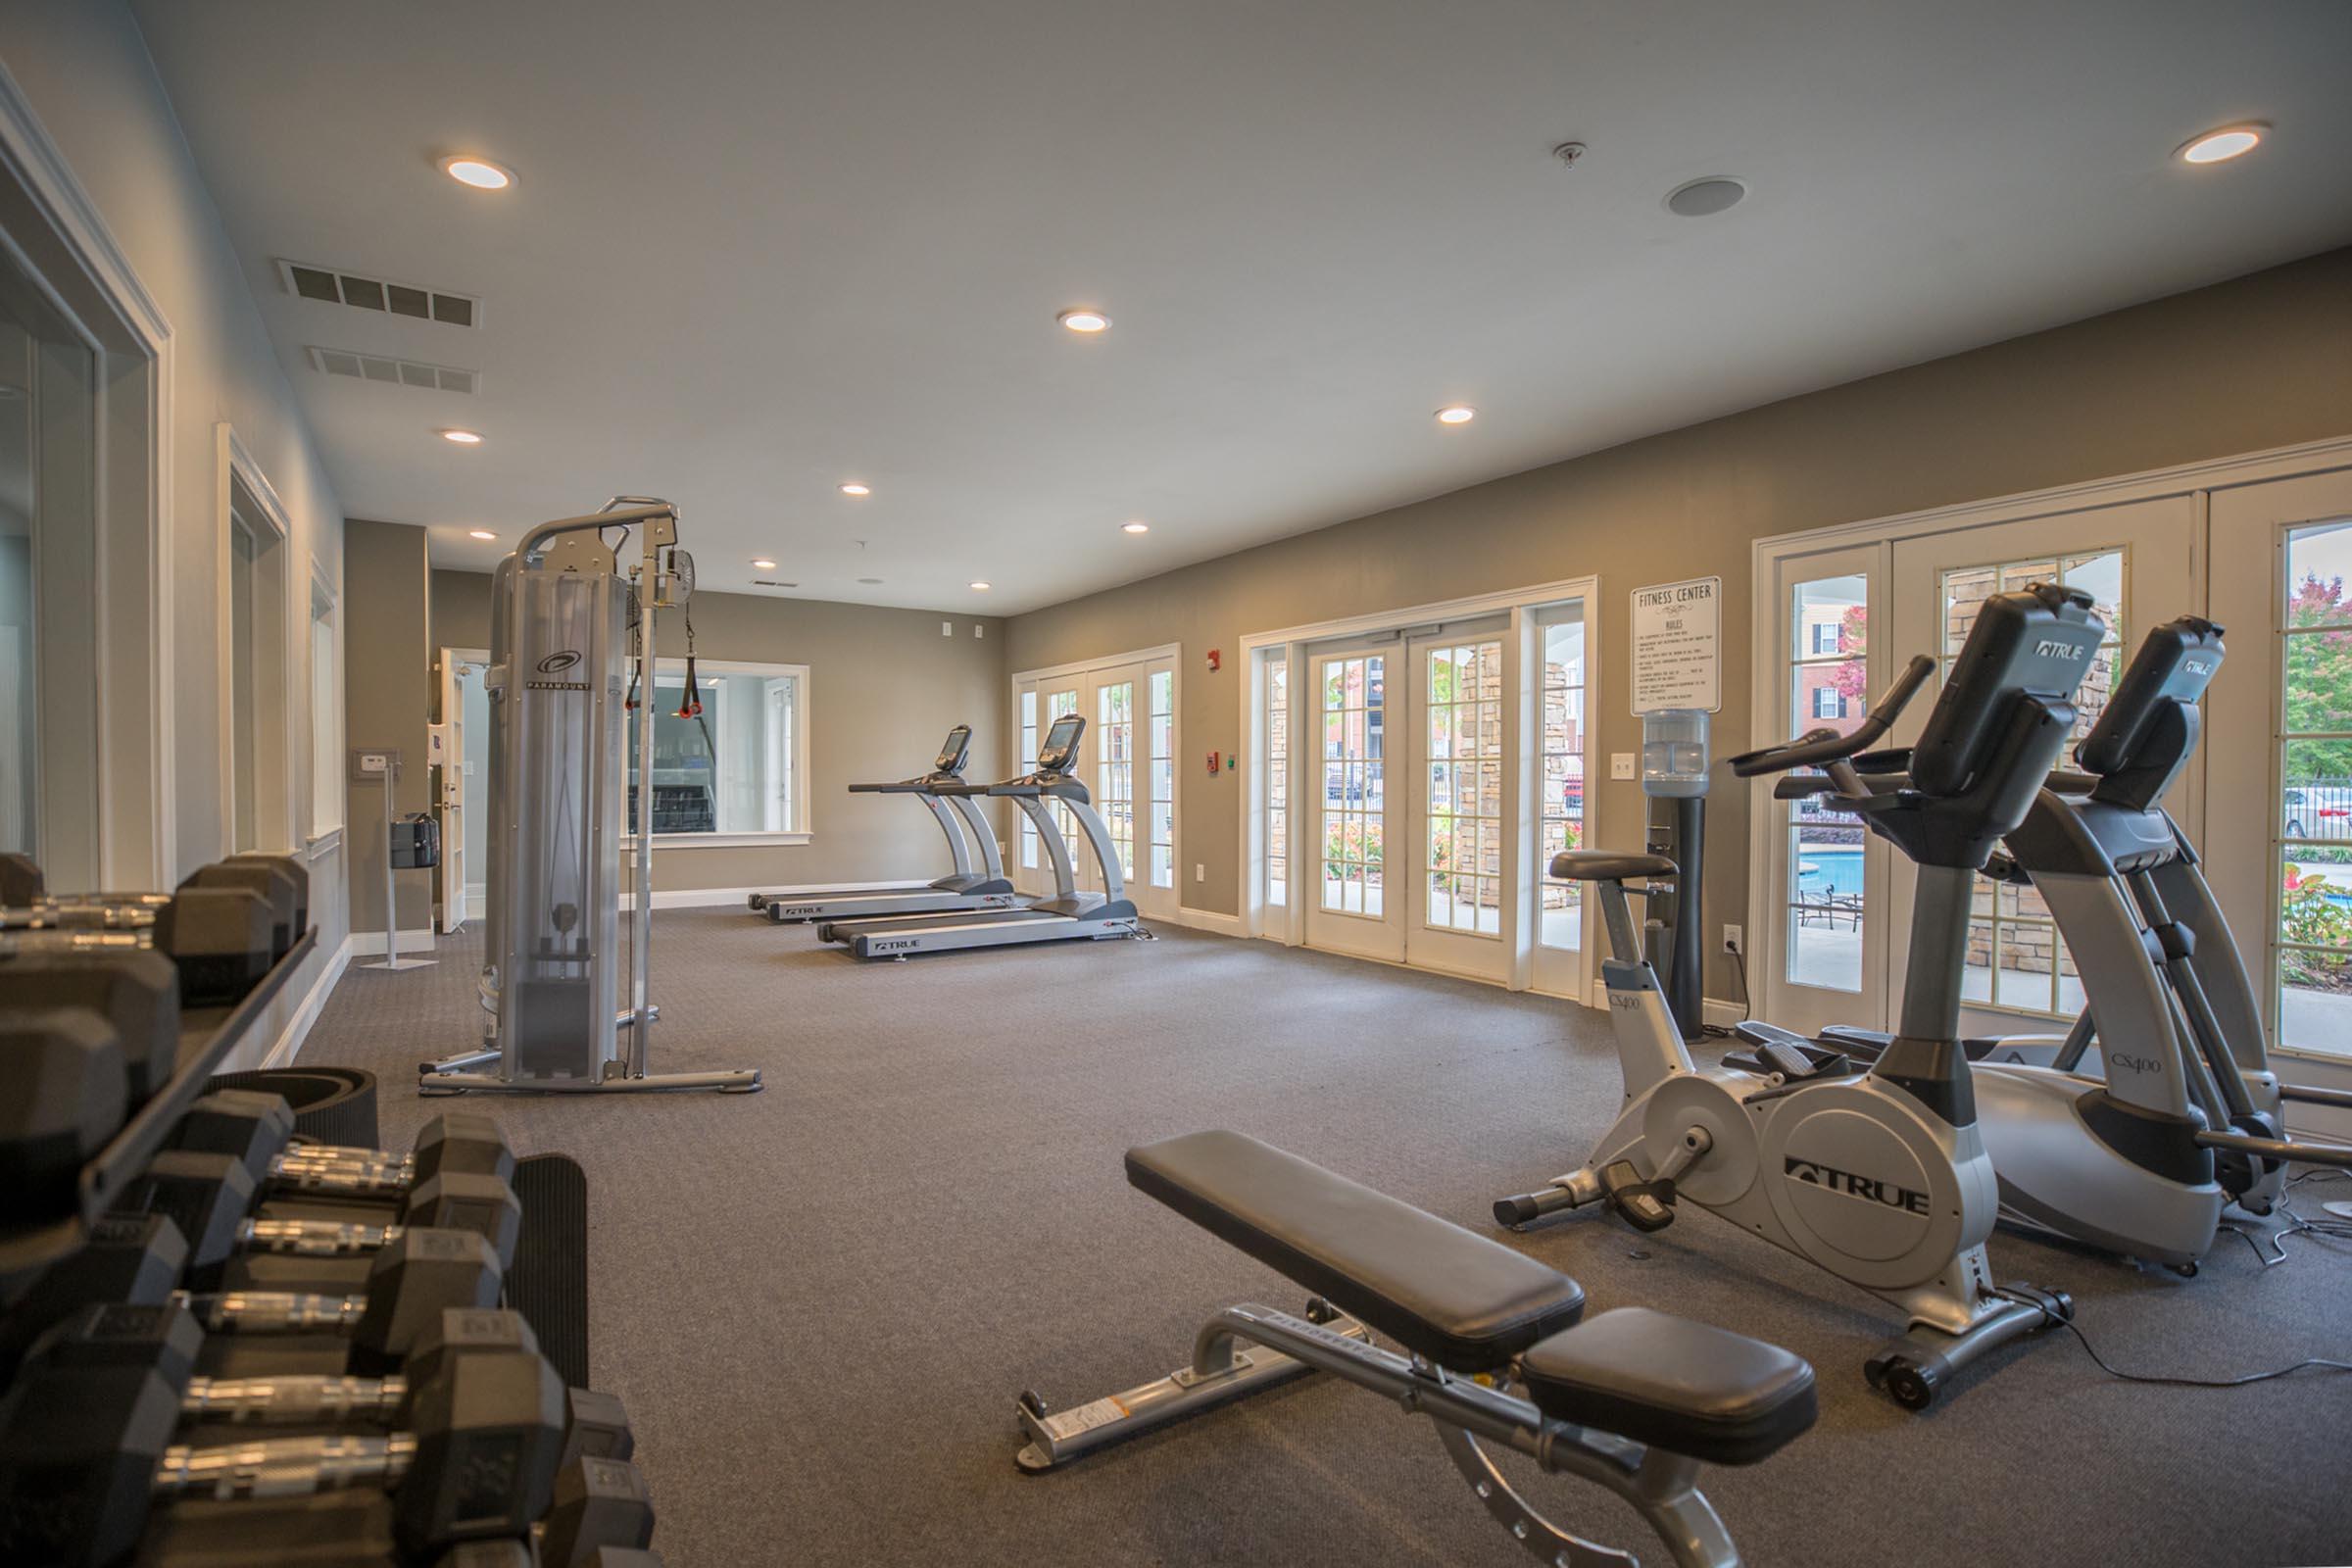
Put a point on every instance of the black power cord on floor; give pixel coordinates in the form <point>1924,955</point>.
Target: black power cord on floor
<point>2296,1225</point>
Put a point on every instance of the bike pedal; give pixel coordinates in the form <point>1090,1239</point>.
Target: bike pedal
<point>1645,1206</point>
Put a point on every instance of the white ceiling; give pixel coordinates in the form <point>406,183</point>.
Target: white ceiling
<point>757,249</point>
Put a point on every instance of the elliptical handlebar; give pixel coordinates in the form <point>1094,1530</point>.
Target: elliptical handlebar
<point>1817,747</point>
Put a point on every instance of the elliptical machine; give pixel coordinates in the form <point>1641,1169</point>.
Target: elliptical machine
<point>1878,1176</point>
<point>2178,1114</point>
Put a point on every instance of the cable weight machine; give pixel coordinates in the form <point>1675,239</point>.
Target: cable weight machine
<point>564,669</point>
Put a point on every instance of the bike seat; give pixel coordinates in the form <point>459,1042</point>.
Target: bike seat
<point>1673,1384</point>
<point>1607,865</point>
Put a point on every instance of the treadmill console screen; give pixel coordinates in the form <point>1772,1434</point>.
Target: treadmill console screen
<point>1061,749</point>
<point>952,750</point>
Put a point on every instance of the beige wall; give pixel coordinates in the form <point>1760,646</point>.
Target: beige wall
<point>2259,361</point>
<point>882,687</point>
<point>387,701</point>
<point>85,73</point>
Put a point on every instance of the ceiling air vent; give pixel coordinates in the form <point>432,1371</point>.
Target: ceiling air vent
<point>337,287</point>
<point>770,582</point>
<point>394,372</point>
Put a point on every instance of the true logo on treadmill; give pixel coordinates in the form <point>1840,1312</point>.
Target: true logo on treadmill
<point>1891,1194</point>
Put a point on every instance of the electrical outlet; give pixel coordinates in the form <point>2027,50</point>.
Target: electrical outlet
<point>1621,764</point>
<point>946,628</point>
<point>1733,940</point>
<point>979,630</point>
<point>1200,872</point>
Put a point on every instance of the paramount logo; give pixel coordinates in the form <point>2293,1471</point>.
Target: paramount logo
<point>1891,1194</point>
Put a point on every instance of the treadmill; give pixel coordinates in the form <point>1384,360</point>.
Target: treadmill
<point>1070,915</point>
<point>958,818</point>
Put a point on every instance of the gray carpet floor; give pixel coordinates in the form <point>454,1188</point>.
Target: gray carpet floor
<point>820,1300</point>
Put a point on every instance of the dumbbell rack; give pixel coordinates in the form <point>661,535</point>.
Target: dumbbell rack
<point>206,1035</point>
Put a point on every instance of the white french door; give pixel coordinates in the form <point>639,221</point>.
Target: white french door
<point>1453,797</point>
<point>1350,910</point>
<point>2279,745</point>
<point>1127,760</point>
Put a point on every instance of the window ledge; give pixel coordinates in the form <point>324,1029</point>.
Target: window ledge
<point>326,843</point>
<point>720,841</point>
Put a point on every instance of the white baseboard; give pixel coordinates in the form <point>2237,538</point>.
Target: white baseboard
<point>1224,925</point>
<point>298,1027</point>
<point>371,944</point>
<point>1722,1014</point>
<point>715,898</point>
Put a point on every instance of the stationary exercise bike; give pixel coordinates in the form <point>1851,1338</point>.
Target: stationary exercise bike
<point>1878,1176</point>
<point>2178,1115</point>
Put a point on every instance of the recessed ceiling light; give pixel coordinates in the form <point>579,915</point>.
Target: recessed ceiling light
<point>1135,527</point>
<point>1456,413</point>
<point>481,534</point>
<point>1704,198</point>
<point>981,586</point>
<point>764,563</point>
<point>1085,318</point>
<point>854,488</point>
<point>464,438</point>
<point>2220,146</point>
<point>479,172</point>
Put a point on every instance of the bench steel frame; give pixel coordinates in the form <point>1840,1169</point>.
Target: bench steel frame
<point>1245,1349</point>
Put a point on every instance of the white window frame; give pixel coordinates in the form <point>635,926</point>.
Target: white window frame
<point>53,231</point>
<point>278,774</point>
<point>326,772</point>
<point>668,667</point>
<point>1522,776</point>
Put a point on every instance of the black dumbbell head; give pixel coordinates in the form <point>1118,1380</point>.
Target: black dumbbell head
<point>136,991</point>
<point>417,1278</point>
<point>20,880</point>
<point>488,1443</point>
<point>295,873</point>
<point>459,1201</point>
<point>487,1554</point>
<point>599,1504</point>
<point>265,877</point>
<point>463,1142</point>
<point>61,1096</point>
<point>251,1126</point>
<point>205,1195</point>
<point>165,1338</point>
<point>596,1425</point>
<point>77,1454</point>
<point>466,1331</point>
<point>220,940</point>
<point>127,1257</point>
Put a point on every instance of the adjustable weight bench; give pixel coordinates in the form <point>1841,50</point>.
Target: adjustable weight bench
<point>1632,1400</point>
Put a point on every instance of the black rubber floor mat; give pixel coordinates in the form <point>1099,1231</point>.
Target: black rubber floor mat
<point>549,1282</point>
<point>331,1105</point>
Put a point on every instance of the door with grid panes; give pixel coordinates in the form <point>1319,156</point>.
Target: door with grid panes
<point>1559,666</point>
<point>2134,562</point>
<point>1353,906</point>
<point>1041,703</point>
<point>1453,899</point>
<point>1132,743</point>
<point>2279,745</point>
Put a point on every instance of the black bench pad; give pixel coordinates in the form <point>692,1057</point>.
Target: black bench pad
<point>1455,1297</point>
<point>1673,1384</point>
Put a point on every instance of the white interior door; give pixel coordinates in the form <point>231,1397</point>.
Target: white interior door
<point>1353,909</point>
<point>1452,792</point>
<point>457,676</point>
<point>2135,561</point>
<point>2279,752</point>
